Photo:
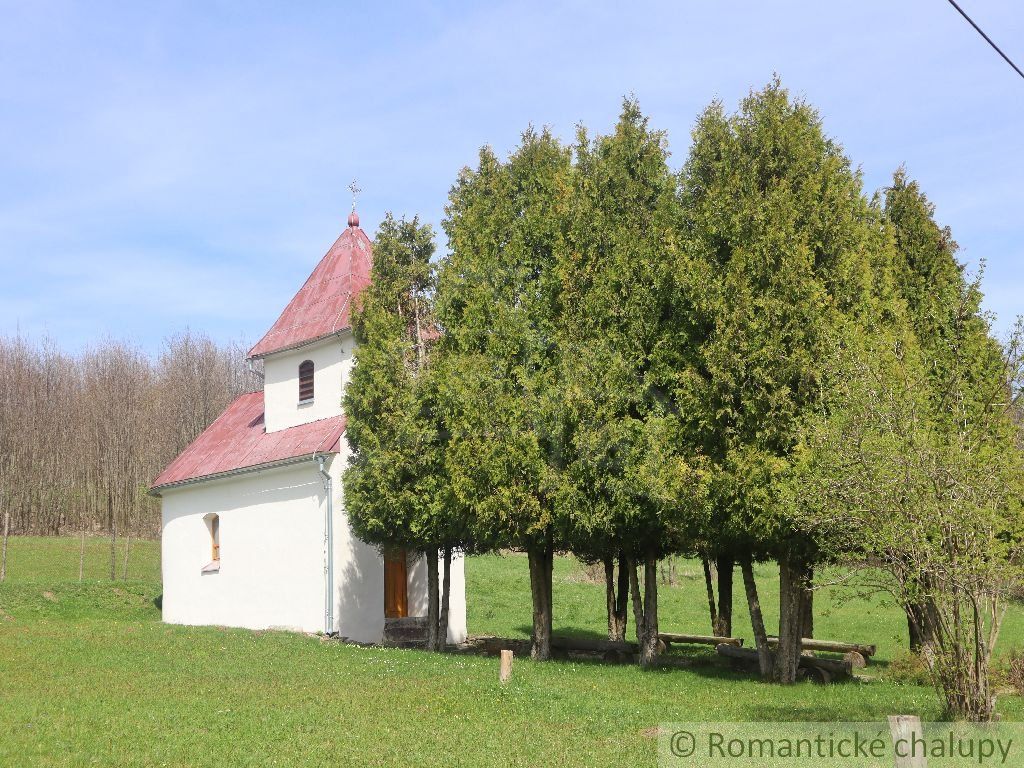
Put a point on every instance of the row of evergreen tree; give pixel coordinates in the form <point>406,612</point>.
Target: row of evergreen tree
<point>626,362</point>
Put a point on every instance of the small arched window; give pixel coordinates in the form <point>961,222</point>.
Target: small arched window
<point>213,528</point>
<point>215,538</point>
<point>306,381</point>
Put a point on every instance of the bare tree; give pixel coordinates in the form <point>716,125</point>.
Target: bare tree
<point>82,436</point>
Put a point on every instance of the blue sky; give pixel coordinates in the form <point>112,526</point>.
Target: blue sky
<point>174,165</point>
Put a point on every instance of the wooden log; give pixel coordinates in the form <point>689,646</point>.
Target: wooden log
<point>855,659</point>
<point>831,646</point>
<point>735,652</point>
<point>815,675</point>
<point>505,673</point>
<point>905,730</point>
<point>836,667</point>
<point>745,655</point>
<point>833,667</point>
<point>672,637</point>
<point>593,646</point>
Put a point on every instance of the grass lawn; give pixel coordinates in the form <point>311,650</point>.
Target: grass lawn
<point>89,676</point>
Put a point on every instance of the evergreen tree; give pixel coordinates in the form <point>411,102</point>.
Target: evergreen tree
<point>634,481</point>
<point>396,489</point>
<point>775,217</point>
<point>498,303</point>
<point>928,490</point>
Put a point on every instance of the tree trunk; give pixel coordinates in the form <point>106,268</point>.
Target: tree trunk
<point>3,556</point>
<point>709,585</point>
<point>609,596</point>
<point>616,597</point>
<point>914,627</point>
<point>725,567</point>
<point>645,609</point>
<point>541,563</point>
<point>920,626</point>
<point>922,623</point>
<point>622,597</point>
<point>764,653</point>
<point>808,620</point>
<point>430,555</point>
<point>792,589</point>
<point>446,592</point>
<point>649,644</point>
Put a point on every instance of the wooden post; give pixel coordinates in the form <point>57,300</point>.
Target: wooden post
<point>3,558</point>
<point>113,536</point>
<point>906,731</point>
<point>506,667</point>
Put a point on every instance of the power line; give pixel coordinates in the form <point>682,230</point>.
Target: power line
<point>987,38</point>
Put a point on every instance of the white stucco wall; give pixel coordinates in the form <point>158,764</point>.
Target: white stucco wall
<point>332,362</point>
<point>272,541</point>
<point>271,551</point>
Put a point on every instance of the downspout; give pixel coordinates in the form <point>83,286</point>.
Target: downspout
<point>329,531</point>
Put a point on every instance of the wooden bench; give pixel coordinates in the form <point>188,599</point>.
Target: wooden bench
<point>831,646</point>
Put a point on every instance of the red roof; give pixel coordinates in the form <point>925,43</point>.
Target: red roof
<point>238,439</point>
<point>323,305</point>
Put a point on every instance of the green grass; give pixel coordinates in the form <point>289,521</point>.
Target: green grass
<point>56,558</point>
<point>89,676</point>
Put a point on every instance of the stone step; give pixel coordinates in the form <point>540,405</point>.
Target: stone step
<point>408,631</point>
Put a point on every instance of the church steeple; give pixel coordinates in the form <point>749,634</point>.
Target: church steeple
<point>323,305</point>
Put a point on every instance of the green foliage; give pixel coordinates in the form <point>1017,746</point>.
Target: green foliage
<point>944,304</point>
<point>396,490</point>
<point>498,305</point>
<point>917,463</point>
<point>636,480</point>
<point>782,237</point>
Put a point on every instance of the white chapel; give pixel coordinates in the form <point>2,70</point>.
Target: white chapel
<point>254,526</point>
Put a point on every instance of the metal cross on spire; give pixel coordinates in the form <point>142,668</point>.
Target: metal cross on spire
<point>355,189</point>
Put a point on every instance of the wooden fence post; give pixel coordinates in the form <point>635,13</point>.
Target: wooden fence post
<point>3,557</point>
<point>506,667</point>
<point>907,733</point>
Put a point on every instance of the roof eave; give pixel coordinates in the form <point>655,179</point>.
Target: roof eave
<point>157,490</point>
<point>298,345</point>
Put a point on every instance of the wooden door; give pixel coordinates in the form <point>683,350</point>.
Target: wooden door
<point>395,583</point>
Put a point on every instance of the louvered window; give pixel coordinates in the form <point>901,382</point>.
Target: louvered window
<point>306,381</point>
